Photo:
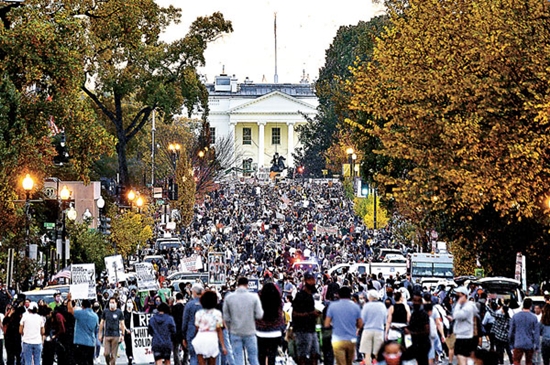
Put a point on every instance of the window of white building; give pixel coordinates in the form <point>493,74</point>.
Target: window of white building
<point>247,136</point>
<point>275,135</point>
<point>212,135</point>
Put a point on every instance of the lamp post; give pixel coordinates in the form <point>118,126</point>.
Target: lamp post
<point>28,184</point>
<point>131,198</point>
<point>174,153</point>
<point>349,151</point>
<point>65,195</point>
<point>139,203</point>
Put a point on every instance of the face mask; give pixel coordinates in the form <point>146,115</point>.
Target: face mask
<point>157,302</point>
<point>361,300</point>
<point>392,359</point>
<point>129,306</point>
<point>112,306</point>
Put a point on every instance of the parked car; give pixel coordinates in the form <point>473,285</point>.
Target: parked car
<point>502,288</point>
<point>47,294</point>
<point>183,277</point>
<point>168,243</point>
<point>159,259</point>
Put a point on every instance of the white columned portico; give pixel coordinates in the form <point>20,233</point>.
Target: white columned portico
<point>290,158</point>
<point>261,147</point>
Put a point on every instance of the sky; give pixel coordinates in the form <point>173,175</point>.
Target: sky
<point>305,30</point>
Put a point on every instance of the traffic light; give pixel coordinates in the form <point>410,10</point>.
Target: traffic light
<point>173,193</point>
<point>105,225</point>
<point>61,148</point>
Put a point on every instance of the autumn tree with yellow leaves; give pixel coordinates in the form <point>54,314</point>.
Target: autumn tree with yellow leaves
<point>457,94</point>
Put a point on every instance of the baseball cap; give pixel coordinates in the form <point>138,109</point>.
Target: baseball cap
<point>33,305</point>
<point>309,275</point>
<point>461,290</point>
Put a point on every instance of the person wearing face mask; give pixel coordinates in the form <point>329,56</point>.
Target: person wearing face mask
<point>111,331</point>
<point>130,307</point>
<point>390,353</point>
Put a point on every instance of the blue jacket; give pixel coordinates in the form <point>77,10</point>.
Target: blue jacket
<point>188,324</point>
<point>161,328</point>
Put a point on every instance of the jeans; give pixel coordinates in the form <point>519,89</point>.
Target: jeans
<point>32,351</point>
<point>228,359</point>
<point>239,343</point>
<point>193,359</point>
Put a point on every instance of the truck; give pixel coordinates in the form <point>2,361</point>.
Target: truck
<point>431,267</point>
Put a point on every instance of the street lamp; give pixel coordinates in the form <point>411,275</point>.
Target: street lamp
<point>175,153</point>
<point>349,151</point>
<point>64,194</point>
<point>131,198</point>
<point>139,203</point>
<point>28,184</point>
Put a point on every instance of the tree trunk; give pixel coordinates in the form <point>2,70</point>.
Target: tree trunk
<point>121,152</point>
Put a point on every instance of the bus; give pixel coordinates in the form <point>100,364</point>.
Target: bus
<point>431,266</point>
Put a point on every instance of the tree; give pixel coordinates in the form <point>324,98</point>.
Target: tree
<point>131,72</point>
<point>351,43</point>
<point>88,246</point>
<point>458,91</point>
<point>364,208</point>
<point>185,178</point>
<point>42,55</point>
<point>129,230</point>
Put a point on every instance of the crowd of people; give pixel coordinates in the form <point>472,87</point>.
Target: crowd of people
<point>296,316</point>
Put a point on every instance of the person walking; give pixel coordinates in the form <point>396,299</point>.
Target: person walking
<point>209,323</point>
<point>13,337</point>
<point>419,329</point>
<point>463,315</point>
<point>269,329</point>
<point>177,313</point>
<point>374,316</point>
<point>545,334</point>
<point>345,318</point>
<point>161,328</point>
<point>304,320</point>
<point>500,330</point>
<point>524,333</point>
<point>31,329</point>
<point>399,315</point>
<point>128,310</point>
<point>111,331</point>
<point>188,328</point>
<point>86,329</point>
<point>240,309</point>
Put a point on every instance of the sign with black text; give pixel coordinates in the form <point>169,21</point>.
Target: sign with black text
<point>141,340</point>
<point>84,274</point>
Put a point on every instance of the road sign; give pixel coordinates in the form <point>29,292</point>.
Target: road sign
<point>49,225</point>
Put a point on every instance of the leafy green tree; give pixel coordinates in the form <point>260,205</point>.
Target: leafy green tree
<point>364,208</point>
<point>351,44</point>
<point>130,230</point>
<point>88,246</point>
<point>131,72</point>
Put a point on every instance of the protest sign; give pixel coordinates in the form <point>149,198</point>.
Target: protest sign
<point>145,274</point>
<point>189,263</point>
<point>115,268</point>
<point>141,340</point>
<point>83,274</point>
<point>216,268</point>
<point>254,285</point>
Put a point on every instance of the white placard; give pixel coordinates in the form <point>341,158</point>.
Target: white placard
<point>84,274</point>
<point>115,268</point>
<point>145,274</point>
<point>79,291</point>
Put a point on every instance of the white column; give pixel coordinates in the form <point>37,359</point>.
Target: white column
<point>290,158</point>
<point>233,137</point>
<point>261,148</point>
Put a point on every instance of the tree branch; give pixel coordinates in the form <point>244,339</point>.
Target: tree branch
<point>133,129</point>
<point>103,108</point>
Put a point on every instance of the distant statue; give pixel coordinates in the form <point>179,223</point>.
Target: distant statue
<point>277,163</point>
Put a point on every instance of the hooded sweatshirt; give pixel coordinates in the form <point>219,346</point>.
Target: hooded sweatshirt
<point>161,328</point>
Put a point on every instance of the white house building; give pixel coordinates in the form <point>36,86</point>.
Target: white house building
<point>260,118</point>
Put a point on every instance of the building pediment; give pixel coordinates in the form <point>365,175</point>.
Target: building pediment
<point>274,103</point>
